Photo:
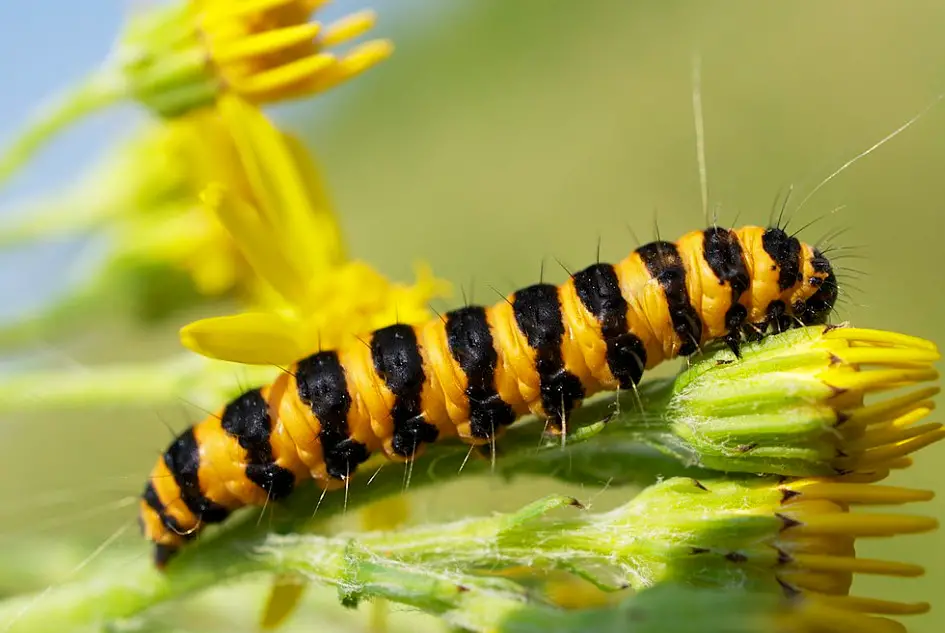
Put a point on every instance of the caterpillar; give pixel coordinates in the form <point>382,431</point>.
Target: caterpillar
<point>477,369</point>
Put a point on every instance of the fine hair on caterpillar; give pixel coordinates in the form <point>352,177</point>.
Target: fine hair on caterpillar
<point>475,370</point>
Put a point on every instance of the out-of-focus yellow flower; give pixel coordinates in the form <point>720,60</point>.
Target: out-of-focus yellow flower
<point>191,151</point>
<point>179,57</point>
<point>161,252</point>
<point>143,202</point>
<point>313,297</point>
<point>269,50</point>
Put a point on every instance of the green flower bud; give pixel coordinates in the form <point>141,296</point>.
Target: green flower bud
<point>810,401</point>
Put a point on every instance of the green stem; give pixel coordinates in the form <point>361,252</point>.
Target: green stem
<point>66,315</point>
<point>102,196</point>
<point>468,602</point>
<point>136,385</point>
<point>198,380</point>
<point>640,543</point>
<point>98,90</point>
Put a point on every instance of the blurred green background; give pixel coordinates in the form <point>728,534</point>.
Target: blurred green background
<point>504,133</point>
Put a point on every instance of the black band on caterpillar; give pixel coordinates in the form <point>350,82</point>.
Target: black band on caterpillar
<point>322,387</point>
<point>471,345</point>
<point>786,253</point>
<point>397,360</point>
<point>665,265</point>
<point>599,290</point>
<point>538,315</point>
<point>246,419</point>
<point>182,459</point>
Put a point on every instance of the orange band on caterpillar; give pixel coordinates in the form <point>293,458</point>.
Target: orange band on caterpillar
<point>478,369</point>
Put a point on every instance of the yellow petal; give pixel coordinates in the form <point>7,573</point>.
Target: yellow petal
<point>296,217</point>
<point>276,83</point>
<point>268,165</point>
<point>359,59</point>
<point>348,28</point>
<point>255,240</point>
<point>324,236</point>
<point>266,43</point>
<point>283,601</point>
<point>250,338</point>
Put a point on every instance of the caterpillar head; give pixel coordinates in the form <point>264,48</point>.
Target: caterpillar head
<point>814,300</point>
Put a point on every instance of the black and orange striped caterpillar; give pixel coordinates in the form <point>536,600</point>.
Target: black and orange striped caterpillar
<point>477,369</point>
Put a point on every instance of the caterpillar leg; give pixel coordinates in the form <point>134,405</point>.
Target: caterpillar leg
<point>410,435</point>
<point>734,341</point>
<point>735,322</point>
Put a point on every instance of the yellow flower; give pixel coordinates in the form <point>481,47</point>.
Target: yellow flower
<point>268,50</point>
<point>796,536</point>
<point>167,224</point>
<point>183,56</point>
<point>180,57</point>
<point>312,296</point>
<point>791,538</point>
<point>161,249</point>
<point>143,198</point>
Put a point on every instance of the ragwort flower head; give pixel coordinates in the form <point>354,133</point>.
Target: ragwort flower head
<point>810,401</point>
<point>269,50</point>
<point>310,296</point>
<point>795,538</point>
<point>181,56</point>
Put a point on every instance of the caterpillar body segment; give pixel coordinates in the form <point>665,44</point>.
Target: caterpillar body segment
<point>477,369</point>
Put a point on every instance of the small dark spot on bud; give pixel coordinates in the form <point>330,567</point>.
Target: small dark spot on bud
<point>724,361</point>
<point>350,600</point>
<point>462,588</point>
<point>835,360</point>
<point>790,591</point>
<point>787,494</point>
<point>787,522</point>
<point>744,448</point>
<point>836,391</point>
<point>695,551</point>
<point>736,557</point>
<point>842,417</point>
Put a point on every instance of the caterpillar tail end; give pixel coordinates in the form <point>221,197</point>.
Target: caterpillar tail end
<point>163,555</point>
